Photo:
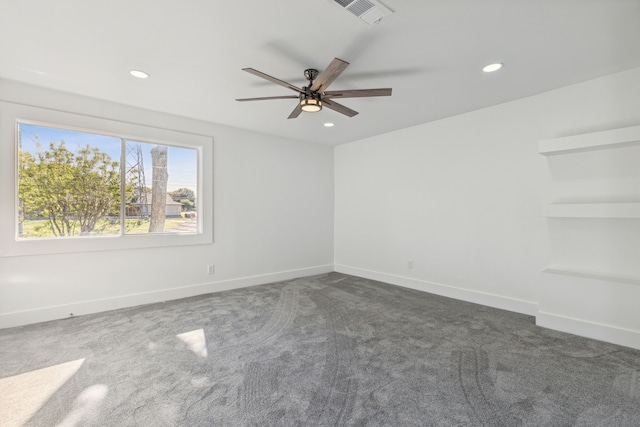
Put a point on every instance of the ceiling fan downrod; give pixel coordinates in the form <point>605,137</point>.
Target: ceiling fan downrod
<point>310,101</point>
<point>311,74</point>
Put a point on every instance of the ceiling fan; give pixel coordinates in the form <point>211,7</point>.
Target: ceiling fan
<point>315,96</point>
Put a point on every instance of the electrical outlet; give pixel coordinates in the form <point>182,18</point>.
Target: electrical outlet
<point>211,269</point>
<point>410,264</point>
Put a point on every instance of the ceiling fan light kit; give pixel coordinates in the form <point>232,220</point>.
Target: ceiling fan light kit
<point>315,96</point>
<point>310,105</point>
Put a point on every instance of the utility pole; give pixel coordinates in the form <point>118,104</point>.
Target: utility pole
<point>135,164</point>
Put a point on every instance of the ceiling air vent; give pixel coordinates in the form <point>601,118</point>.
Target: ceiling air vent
<point>369,11</point>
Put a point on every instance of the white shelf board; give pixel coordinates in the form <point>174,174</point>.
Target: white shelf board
<point>593,276</point>
<point>592,210</point>
<point>624,137</point>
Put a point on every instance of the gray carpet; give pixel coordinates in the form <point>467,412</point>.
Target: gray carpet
<point>327,350</point>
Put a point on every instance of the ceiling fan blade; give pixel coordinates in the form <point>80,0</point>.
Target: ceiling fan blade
<point>335,68</point>
<point>339,108</point>
<point>358,93</point>
<point>296,112</point>
<point>272,79</point>
<point>264,98</point>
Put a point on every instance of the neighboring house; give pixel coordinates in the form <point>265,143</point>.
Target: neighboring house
<point>173,208</point>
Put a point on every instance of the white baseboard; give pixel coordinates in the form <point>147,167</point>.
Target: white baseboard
<point>611,334</point>
<point>18,318</point>
<point>607,333</point>
<point>491,300</point>
<point>593,305</point>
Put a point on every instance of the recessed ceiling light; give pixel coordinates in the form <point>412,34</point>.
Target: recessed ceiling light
<point>493,67</point>
<point>329,125</point>
<point>139,74</point>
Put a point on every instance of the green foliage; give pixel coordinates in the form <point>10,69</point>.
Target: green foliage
<point>187,205</point>
<point>183,193</point>
<point>72,190</point>
<point>186,196</point>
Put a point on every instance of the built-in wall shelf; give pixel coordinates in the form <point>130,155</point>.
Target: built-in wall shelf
<point>592,284</point>
<point>592,210</point>
<point>591,275</point>
<point>624,137</point>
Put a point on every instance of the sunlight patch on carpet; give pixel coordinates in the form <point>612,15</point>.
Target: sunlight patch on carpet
<point>195,342</point>
<point>24,394</point>
<point>85,405</point>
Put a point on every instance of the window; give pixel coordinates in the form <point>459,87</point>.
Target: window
<point>75,183</point>
<point>103,125</point>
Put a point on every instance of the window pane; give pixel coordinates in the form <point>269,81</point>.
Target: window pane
<point>69,183</point>
<point>161,185</point>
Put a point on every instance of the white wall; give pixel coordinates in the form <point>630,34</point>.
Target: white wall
<point>273,220</point>
<point>462,198</point>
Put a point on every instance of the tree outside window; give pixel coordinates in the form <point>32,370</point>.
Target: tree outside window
<point>79,184</point>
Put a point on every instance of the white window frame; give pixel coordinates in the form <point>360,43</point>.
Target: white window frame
<point>11,245</point>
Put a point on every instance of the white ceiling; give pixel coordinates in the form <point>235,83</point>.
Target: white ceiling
<point>429,51</point>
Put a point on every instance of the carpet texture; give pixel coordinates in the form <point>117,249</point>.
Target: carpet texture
<point>327,350</point>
